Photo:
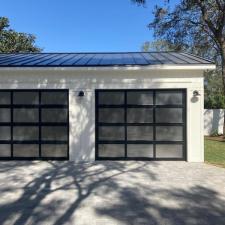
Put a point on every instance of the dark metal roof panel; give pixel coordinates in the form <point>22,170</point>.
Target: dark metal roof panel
<point>99,59</point>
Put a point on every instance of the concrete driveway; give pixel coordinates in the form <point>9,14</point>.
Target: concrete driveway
<point>105,193</point>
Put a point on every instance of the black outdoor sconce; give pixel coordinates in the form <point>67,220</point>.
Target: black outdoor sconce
<point>81,94</point>
<point>196,93</point>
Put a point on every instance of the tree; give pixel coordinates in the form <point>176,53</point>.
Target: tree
<point>158,45</point>
<point>15,42</point>
<point>196,26</point>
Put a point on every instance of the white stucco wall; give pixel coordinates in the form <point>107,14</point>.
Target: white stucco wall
<point>82,110</point>
<point>213,121</point>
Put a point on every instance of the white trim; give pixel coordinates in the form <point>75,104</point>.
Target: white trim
<point>121,68</point>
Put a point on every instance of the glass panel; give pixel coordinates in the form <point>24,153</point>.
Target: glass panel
<point>5,115</point>
<point>111,133</point>
<point>169,151</point>
<point>169,133</point>
<point>5,150</point>
<point>48,150</point>
<point>25,133</point>
<point>5,98</point>
<point>140,133</point>
<point>169,115</point>
<point>140,150</point>
<point>169,98</point>
<point>111,98</point>
<point>54,97</point>
<point>56,133</point>
<point>25,150</point>
<point>5,133</point>
<point>25,115</point>
<point>111,115</point>
<point>139,98</point>
<point>111,150</point>
<point>25,98</point>
<point>139,115</point>
<point>54,115</point>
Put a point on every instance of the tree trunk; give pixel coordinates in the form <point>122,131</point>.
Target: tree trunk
<point>223,77</point>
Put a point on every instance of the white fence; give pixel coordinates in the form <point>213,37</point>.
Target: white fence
<point>213,121</point>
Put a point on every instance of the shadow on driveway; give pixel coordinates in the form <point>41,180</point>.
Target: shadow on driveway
<point>129,193</point>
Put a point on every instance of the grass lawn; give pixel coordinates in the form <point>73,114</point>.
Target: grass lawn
<point>215,151</point>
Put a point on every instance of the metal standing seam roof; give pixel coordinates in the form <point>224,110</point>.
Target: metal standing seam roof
<point>99,59</point>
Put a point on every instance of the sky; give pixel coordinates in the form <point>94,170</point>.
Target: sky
<point>82,25</point>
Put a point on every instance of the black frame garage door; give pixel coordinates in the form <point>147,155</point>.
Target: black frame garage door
<point>34,124</point>
<point>141,124</point>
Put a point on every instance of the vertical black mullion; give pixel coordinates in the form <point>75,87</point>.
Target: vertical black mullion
<point>68,126</point>
<point>125,121</point>
<point>154,126</point>
<point>184,102</point>
<point>11,127</point>
<point>96,124</point>
<point>39,123</point>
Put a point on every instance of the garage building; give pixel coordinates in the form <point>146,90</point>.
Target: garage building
<point>102,106</point>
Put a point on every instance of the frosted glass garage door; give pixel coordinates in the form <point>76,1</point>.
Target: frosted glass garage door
<point>34,124</point>
<point>141,124</point>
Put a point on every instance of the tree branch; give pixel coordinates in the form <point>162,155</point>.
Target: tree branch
<point>219,5</point>
<point>206,19</point>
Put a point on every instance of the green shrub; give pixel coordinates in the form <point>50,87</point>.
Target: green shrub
<point>215,102</point>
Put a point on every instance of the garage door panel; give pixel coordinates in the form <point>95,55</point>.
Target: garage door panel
<point>111,98</point>
<point>139,115</point>
<point>54,98</point>
<point>5,115</point>
<point>169,151</point>
<point>54,133</point>
<point>5,98</point>
<point>56,150</point>
<point>140,150</point>
<point>169,115</point>
<point>25,133</point>
<point>139,98</point>
<point>139,133</point>
<point>34,121</point>
<point>169,98</point>
<point>108,133</point>
<point>147,123</point>
<point>111,150</point>
<point>111,115</point>
<point>5,150</point>
<point>24,115</point>
<point>25,98</point>
<point>169,133</point>
<point>5,133</point>
<point>25,150</point>
<point>54,115</point>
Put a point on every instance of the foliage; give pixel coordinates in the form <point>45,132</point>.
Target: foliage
<point>195,26</point>
<point>214,98</point>
<point>159,45</point>
<point>215,102</point>
<point>15,42</point>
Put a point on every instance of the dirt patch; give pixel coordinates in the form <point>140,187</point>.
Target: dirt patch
<point>217,138</point>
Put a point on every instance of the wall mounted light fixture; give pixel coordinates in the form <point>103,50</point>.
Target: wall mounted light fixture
<point>81,94</point>
<point>196,93</point>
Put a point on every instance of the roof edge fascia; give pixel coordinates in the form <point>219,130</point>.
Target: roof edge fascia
<point>202,67</point>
